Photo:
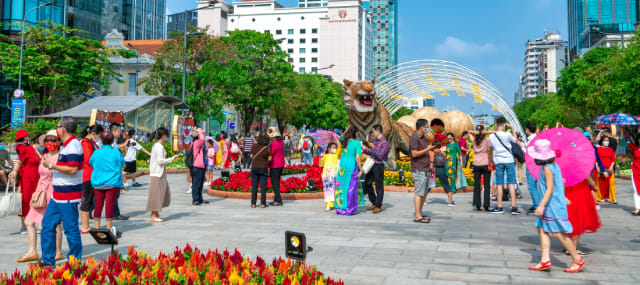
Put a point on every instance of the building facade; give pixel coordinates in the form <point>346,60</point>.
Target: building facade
<point>544,58</point>
<point>312,3</point>
<point>592,20</point>
<point>135,19</point>
<point>334,40</point>
<point>175,22</point>
<point>385,34</point>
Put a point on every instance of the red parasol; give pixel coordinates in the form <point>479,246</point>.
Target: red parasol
<point>574,154</point>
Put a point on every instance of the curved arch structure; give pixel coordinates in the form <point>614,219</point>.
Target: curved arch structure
<point>420,79</point>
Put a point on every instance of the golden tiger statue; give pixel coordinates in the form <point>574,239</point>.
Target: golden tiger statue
<point>365,111</point>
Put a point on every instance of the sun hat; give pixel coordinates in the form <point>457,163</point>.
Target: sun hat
<point>21,134</point>
<point>273,132</point>
<point>541,150</point>
<point>50,133</point>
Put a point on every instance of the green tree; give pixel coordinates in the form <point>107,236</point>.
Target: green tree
<point>547,110</point>
<point>56,68</point>
<point>403,111</point>
<point>254,76</point>
<point>165,76</point>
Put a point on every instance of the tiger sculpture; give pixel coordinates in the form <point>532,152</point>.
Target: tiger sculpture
<point>365,111</point>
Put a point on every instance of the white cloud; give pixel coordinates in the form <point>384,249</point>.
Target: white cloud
<point>455,47</point>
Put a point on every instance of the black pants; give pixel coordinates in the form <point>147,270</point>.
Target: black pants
<point>441,173</point>
<point>197,176</point>
<point>483,171</point>
<point>259,175</point>
<point>275,174</point>
<point>375,175</point>
<point>246,159</point>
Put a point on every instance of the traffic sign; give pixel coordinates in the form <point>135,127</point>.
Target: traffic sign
<point>18,93</point>
<point>17,112</point>
<point>232,125</point>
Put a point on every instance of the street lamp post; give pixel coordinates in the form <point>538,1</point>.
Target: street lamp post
<point>137,65</point>
<point>184,56</point>
<point>328,67</point>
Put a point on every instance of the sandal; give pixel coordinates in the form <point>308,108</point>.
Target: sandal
<point>635,213</point>
<point>541,266</point>
<point>263,206</point>
<point>156,220</point>
<point>579,252</point>
<point>253,206</point>
<point>423,220</point>
<point>58,258</point>
<point>580,263</point>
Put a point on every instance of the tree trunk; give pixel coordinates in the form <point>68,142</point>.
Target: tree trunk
<point>248,116</point>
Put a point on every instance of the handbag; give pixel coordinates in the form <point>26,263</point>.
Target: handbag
<point>234,148</point>
<point>10,203</point>
<point>368,165</point>
<point>39,199</point>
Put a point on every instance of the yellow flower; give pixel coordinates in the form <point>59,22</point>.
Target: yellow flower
<point>66,275</point>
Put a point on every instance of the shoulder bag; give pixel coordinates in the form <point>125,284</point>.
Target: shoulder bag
<point>10,203</point>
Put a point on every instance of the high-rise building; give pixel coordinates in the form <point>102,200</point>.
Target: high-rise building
<point>385,33</point>
<point>135,19</point>
<point>312,3</point>
<point>591,21</point>
<point>175,22</point>
<point>428,102</point>
<point>544,58</point>
<point>333,40</point>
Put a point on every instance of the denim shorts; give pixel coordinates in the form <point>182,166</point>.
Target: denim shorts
<point>508,169</point>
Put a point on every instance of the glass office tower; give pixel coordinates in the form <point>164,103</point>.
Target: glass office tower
<point>136,19</point>
<point>385,33</point>
<point>591,19</point>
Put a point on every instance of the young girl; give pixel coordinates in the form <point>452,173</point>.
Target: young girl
<point>552,217</point>
<point>211,157</point>
<point>330,162</point>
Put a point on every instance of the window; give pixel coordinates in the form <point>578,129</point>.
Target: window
<point>303,31</point>
<point>290,41</point>
<point>314,59</point>
<point>302,70</point>
<point>375,48</point>
<point>303,60</point>
<point>303,50</point>
<point>267,31</point>
<point>278,32</point>
<point>314,70</point>
<point>314,40</point>
<point>290,31</point>
<point>314,31</point>
<point>290,60</point>
<point>290,51</point>
<point>314,50</point>
<point>303,41</point>
<point>132,82</point>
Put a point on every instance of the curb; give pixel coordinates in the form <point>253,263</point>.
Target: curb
<point>406,189</point>
<point>247,195</point>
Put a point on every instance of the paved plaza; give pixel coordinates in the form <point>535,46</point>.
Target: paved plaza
<point>460,246</point>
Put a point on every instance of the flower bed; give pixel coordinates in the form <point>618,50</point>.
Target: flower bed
<point>241,181</point>
<point>183,266</point>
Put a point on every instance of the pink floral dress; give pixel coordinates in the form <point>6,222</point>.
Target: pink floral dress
<point>35,215</point>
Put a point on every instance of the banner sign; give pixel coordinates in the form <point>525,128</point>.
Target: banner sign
<point>17,112</point>
<point>182,127</point>
<point>104,118</point>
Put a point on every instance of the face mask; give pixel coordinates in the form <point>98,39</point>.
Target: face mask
<point>40,149</point>
<point>3,147</point>
<point>605,143</point>
<point>51,146</point>
<point>334,150</point>
<point>57,134</point>
<point>428,130</point>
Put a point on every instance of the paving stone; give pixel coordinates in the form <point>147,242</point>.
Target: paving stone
<point>384,271</point>
<point>411,281</point>
<point>469,277</point>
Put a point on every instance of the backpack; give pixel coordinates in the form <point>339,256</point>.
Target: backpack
<point>439,161</point>
<point>188,158</point>
<point>305,145</point>
<point>234,148</point>
<point>517,152</point>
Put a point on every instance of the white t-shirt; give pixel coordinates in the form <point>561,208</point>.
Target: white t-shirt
<point>529,139</point>
<point>132,150</point>
<point>500,153</point>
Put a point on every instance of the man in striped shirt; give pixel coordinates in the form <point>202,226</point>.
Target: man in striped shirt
<point>247,144</point>
<point>67,193</point>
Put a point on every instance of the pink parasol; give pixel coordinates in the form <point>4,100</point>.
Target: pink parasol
<point>574,154</point>
<point>323,138</point>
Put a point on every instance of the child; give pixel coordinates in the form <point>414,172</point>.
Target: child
<point>552,217</point>
<point>330,162</point>
<point>211,157</point>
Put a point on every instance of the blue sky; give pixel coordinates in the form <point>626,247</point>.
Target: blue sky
<point>488,37</point>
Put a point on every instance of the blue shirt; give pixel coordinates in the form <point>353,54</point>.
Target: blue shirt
<point>107,164</point>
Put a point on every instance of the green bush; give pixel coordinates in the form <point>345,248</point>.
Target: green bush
<point>149,145</point>
<point>39,126</point>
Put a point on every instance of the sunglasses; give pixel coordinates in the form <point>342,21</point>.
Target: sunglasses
<point>51,140</point>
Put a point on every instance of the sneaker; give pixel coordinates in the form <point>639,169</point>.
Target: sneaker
<point>23,231</point>
<point>531,210</point>
<point>496,210</point>
<point>493,197</point>
<point>515,211</point>
<point>136,184</point>
<point>127,186</point>
<point>327,209</point>
<point>121,218</point>
<point>597,207</point>
<point>188,191</point>
<point>452,204</point>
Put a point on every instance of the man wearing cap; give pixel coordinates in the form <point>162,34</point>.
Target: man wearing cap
<point>67,193</point>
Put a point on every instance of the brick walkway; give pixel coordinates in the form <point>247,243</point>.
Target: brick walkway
<point>460,246</point>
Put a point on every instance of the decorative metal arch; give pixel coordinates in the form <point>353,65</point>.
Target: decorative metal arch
<point>420,79</point>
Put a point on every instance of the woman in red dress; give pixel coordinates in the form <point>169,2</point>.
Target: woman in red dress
<point>606,181</point>
<point>26,169</point>
<point>582,211</point>
<point>635,173</point>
